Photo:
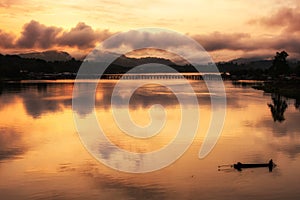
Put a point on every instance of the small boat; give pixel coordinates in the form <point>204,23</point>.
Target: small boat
<point>240,165</point>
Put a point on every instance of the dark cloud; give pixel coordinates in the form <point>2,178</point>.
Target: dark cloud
<point>139,39</point>
<point>290,43</point>
<point>287,18</point>
<point>218,41</point>
<point>159,39</point>
<point>6,39</point>
<point>244,42</point>
<point>82,37</point>
<point>35,34</point>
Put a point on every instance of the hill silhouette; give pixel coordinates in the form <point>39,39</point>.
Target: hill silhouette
<point>42,64</point>
<point>31,66</point>
<point>48,55</point>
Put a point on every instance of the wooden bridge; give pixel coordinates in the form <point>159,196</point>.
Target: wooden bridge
<point>189,76</point>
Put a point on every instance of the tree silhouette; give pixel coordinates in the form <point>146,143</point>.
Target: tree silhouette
<point>297,70</point>
<point>278,107</point>
<point>297,104</point>
<point>280,65</point>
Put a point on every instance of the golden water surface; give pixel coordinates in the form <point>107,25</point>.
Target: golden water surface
<point>42,156</point>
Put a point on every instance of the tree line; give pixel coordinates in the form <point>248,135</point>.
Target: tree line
<point>13,66</point>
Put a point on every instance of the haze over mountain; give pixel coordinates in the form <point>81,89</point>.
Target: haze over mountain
<point>132,62</point>
<point>48,55</point>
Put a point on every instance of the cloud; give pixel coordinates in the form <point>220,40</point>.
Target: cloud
<point>39,36</point>
<point>290,43</point>
<point>35,34</point>
<point>82,37</point>
<point>135,39</point>
<point>218,41</point>
<point>239,44</point>
<point>287,39</point>
<point>287,18</point>
<point>170,41</point>
<point>6,39</point>
<point>250,45</point>
<point>8,3</point>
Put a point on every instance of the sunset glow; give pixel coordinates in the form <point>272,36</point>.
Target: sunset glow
<point>227,29</point>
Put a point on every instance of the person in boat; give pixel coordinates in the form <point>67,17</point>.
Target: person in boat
<point>271,165</point>
<point>240,165</point>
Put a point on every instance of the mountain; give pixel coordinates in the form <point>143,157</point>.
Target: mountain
<point>257,63</point>
<point>125,61</point>
<point>246,60</point>
<point>48,55</point>
<point>260,64</point>
<point>35,65</point>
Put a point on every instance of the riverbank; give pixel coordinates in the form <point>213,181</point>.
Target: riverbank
<point>287,88</point>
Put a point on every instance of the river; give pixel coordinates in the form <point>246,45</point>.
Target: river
<point>42,155</point>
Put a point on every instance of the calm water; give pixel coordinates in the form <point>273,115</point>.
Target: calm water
<point>42,157</point>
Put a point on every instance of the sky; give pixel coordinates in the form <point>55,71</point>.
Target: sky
<point>227,29</point>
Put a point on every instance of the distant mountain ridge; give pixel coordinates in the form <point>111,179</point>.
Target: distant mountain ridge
<point>34,65</point>
<point>44,62</point>
<point>125,61</point>
<point>48,55</point>
<point>121,61</point>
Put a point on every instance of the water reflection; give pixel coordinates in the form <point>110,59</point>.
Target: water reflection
<point>44,97</point>
<point>38,98</point>
<point>145,96</point>
<point>11,143</point>
<point>278,107</point>
<point>41,156</point>
<point>297,104</point>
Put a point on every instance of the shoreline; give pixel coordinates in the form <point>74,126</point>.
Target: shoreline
<point>286,88</point>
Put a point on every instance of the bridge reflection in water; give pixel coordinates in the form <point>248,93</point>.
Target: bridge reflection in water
<point>190,76</point>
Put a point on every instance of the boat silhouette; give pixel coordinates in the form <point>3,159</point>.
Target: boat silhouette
<point>239,166</point>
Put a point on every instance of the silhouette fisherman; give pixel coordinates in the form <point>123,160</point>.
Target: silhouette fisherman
<point>271,165</point>
<point>240,165</point>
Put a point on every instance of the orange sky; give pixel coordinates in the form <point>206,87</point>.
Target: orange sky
<point>227,29</point>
